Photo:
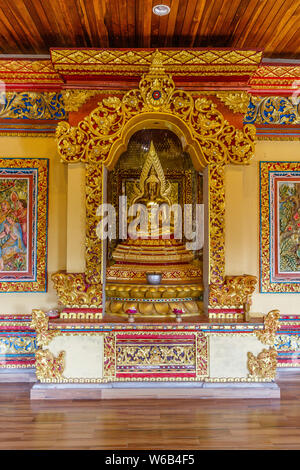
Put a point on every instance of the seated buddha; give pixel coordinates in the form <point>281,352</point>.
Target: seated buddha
<point>152,216</point>
<point>151,245</point>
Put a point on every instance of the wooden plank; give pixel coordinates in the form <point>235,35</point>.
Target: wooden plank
<point>9,43</point>
<point>33,20</point>
<point>179,22</point>
<point>163,25</point>
<point>196,21</point>
<point>212,18</point>
<point>75,26</point>
<point>123,7</point>
<point>154,26</point>
<point>131,23</point>
<point>51,26</point>
<point>33,26</point>
<point>292,48</point>
<point>186,25</point>
<point>289,18</point>
<point>54,13</point>
<point>244,21</point>
<point>100,11</point>
<point>238,17</point>
<point>9,19</point>
<point>255,18</point>
<point>171,23</point>
<point>263,34</point>
<point>201,39</point>
<point>112,15</point>
<point>223,25</point>
<point>147,21</point>
<point>265,18</point>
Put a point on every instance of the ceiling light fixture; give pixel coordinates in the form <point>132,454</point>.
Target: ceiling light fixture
<point>161,10</point>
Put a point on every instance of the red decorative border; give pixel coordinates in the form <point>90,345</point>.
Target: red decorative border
<point>41,210</point>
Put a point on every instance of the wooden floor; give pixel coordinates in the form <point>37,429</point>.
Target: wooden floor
<point>151,424</point>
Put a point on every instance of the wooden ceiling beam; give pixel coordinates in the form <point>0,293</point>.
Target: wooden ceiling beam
<point>253,20</point>
<point>223,25</point>
<point>13,24</point>
<point>131,23</point>
<point>198,13</point>
<point>171,23</point>
<point>186,25</point>
<point>99,7</point>
<point>147,14</point>
<point>33,26</point>
<point>200,40</point>
<point>244,21</point>
<point>288,20</point>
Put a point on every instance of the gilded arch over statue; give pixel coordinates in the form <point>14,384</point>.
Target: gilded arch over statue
<point>101,137</point>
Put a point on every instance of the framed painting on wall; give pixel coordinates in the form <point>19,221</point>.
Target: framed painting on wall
<point>23,224</point>
<point>280,227</point>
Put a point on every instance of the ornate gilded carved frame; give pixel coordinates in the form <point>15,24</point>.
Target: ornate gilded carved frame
<point>101,137</point>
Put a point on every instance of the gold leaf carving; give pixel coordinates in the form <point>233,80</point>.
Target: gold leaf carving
<point>235,292</point>
<point>264,365</point>
<point>132,62</point>
<point>236,101</point>
<point>272,324</point>
<point>39,323</point>
<point>49,367</point>
<point>74,291</point>
<point>74,99</point>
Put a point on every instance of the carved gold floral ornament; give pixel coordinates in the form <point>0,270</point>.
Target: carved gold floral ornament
<point>39,323</point>
<point>271,325</point>
<point>74,291</point>
<point>220,141</point>
<point>236,291</point>
<point>47,366</point>
<point>263,366</point>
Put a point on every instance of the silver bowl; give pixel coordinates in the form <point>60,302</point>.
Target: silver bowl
<point>153,278</point>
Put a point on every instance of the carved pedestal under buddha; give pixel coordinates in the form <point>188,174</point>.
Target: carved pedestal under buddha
<point>153,246</point>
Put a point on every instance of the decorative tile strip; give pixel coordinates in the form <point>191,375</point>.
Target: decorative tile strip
<point>287,341</point>
<point>273,110</point>
<point>17,342</point>
<point>32,105</point>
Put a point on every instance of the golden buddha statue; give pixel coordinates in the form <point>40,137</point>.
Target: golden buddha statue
<point>152,248</point>
<point>152,193</point>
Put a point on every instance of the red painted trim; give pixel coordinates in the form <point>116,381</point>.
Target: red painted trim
<point>81,309</point>
<point>155,375</point>
<point>155,337</point>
